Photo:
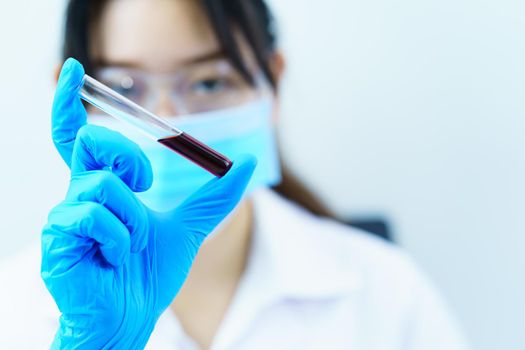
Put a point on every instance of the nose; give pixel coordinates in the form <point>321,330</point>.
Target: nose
<point>165,105</point>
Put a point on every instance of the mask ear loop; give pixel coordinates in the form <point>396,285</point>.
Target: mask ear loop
<point>262,85</point>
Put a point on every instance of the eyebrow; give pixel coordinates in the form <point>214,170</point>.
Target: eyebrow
<point>207,57</point>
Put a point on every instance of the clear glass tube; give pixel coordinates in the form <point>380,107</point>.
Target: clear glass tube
<point>125,110</point>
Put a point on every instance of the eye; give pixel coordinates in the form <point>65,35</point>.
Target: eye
<point>210,85</point>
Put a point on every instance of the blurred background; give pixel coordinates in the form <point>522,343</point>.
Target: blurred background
<point>412,111</point>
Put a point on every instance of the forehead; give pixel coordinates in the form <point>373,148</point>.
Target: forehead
<point>156,35</point>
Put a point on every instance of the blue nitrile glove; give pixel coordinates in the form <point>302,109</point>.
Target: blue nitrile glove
<point>112,264</point>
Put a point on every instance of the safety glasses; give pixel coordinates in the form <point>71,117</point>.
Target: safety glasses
<point>196,88</point>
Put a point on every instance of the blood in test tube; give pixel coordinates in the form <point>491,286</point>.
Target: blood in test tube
<point>199,153</point>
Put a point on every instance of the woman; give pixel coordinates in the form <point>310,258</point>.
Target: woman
<point>275,274</point>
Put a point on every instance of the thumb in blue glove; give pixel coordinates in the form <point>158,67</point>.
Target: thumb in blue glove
<point>112,264</point>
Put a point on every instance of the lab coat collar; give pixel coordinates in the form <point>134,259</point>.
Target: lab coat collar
<point>289,261</point>
<point>288,248</point>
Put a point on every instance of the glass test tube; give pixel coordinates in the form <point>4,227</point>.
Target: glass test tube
<point>128,111</point>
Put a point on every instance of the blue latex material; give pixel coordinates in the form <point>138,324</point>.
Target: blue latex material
<point>112,264</point>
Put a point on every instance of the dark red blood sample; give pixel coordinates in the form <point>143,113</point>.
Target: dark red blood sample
<point>199,153</point>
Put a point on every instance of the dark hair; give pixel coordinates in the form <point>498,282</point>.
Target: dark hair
<point>251,17</point>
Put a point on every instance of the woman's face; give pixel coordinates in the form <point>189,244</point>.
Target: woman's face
<point>167,47</point>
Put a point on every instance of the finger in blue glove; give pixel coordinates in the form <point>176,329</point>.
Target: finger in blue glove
<point>112,264</point>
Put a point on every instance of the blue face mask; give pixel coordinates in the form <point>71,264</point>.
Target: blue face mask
<point>239,130</point>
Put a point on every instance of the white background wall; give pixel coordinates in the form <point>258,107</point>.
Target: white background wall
<point>418,113</point>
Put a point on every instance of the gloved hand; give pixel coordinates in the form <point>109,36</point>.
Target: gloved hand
<point>112,264</point>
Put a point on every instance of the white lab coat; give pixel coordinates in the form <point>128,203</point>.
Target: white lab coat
<point>309,284</point>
